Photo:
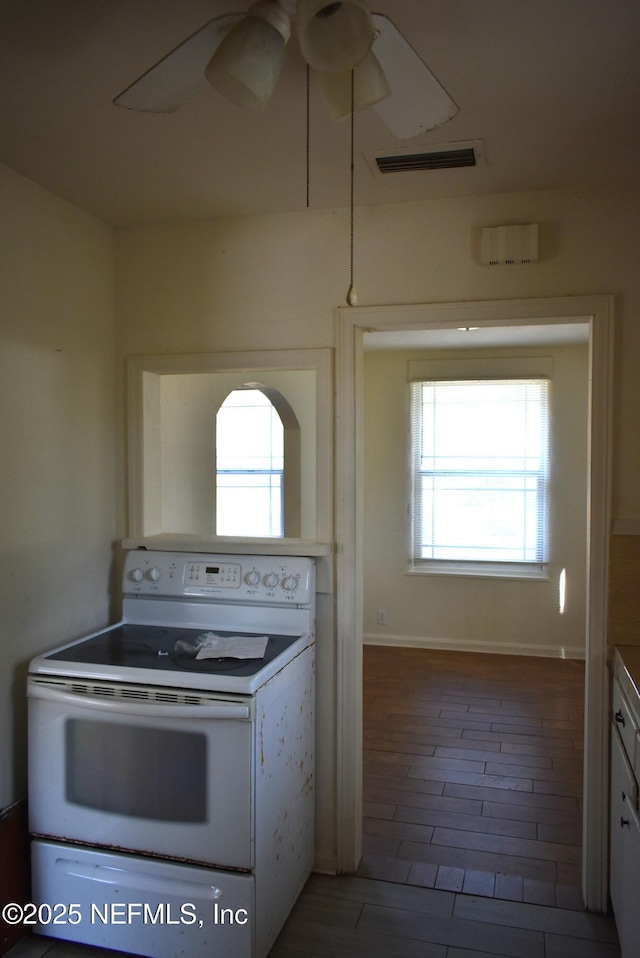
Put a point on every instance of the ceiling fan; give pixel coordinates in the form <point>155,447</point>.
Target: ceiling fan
<point>241,55</point>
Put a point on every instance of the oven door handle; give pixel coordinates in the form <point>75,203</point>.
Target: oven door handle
<point>218,710</point>
<point>141,881</point>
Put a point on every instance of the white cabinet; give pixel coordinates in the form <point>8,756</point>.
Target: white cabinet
<point>625,828</point>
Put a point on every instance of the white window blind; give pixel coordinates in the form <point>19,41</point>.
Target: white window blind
<point>249,466</point>
<point>480,471</point>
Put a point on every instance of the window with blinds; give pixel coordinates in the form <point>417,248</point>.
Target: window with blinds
<point>480,475</point>
<point>249,466</point>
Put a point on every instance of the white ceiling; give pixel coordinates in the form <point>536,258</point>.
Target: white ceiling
<point>550,87</point>
<point>481,337</point>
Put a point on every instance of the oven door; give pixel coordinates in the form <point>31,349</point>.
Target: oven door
<point>141,769</point>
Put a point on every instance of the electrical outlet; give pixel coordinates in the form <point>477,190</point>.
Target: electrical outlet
<point>382,617</point>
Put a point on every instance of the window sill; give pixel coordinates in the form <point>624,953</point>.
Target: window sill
<point>481,570</point>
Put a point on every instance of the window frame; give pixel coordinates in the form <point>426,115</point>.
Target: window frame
<point>274,490</point>
<point>537,568</point>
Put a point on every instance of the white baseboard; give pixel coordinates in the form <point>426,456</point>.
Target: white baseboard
<point>475,645</point>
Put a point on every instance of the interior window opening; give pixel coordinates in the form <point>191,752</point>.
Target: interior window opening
<point>257,465</point>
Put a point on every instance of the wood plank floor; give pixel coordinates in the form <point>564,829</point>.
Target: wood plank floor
<point>351,917</point>
<point>473,784</point>
<point>473,773</point>
<point>472,848</point>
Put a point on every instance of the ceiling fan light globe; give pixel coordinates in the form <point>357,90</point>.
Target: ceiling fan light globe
<point>246,66</point>
<point>334,37</point>
<point>275,12</point>
<point>370,86</point>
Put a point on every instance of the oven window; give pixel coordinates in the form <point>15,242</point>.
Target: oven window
<point>153,773</point>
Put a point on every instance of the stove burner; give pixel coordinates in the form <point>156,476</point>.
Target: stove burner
<point>110,653</point>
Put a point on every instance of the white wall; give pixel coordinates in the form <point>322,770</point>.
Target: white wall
<point>498,615</point>
<point>274,283</point>
<point>57,440</point>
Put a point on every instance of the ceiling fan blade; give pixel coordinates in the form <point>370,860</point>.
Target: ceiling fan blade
<point>176,78</point>
<point>418,102</point>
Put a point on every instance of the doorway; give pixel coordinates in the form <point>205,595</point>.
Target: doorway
<point>597,313</point>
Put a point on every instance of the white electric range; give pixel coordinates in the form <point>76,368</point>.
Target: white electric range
<point>171,782</point>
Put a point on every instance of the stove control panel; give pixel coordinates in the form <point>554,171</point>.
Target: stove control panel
<point>287,580</point>
<point>224,575</point>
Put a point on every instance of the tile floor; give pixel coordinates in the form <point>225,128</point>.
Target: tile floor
<point>472,787</point>
<point>351,917</point>
<point>473,773</point>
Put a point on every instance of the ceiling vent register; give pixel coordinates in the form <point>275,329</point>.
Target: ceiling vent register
<point>437,160</point>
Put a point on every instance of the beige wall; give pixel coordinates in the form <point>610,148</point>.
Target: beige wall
<point>57,440</point>
<point>243,284</point>
<point>188,407</point>
<point>274,283</point>
<point>498,615</point>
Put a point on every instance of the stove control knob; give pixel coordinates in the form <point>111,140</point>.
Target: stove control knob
<point>153,574</point>
<point>252,578</point>
<point>270,580</point>
<point>136,575</point>
<point>290,583</point>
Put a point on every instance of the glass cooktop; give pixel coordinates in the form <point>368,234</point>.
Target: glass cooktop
<point>165,649</point>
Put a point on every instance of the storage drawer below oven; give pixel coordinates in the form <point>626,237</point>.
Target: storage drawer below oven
<point>145,907</point>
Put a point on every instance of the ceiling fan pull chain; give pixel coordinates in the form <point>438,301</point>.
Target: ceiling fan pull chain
<point>352,296</point>
<point>308,128</point>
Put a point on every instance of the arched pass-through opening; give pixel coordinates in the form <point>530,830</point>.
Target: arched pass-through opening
<point>258,466</point>
<point>495,316</point>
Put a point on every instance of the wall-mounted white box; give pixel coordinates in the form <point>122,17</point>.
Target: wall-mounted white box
<point>509,245</point>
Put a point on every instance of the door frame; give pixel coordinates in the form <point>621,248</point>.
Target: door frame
<point>352,323</point>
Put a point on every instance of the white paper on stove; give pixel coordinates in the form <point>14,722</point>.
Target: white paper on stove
<point>232,646</point>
